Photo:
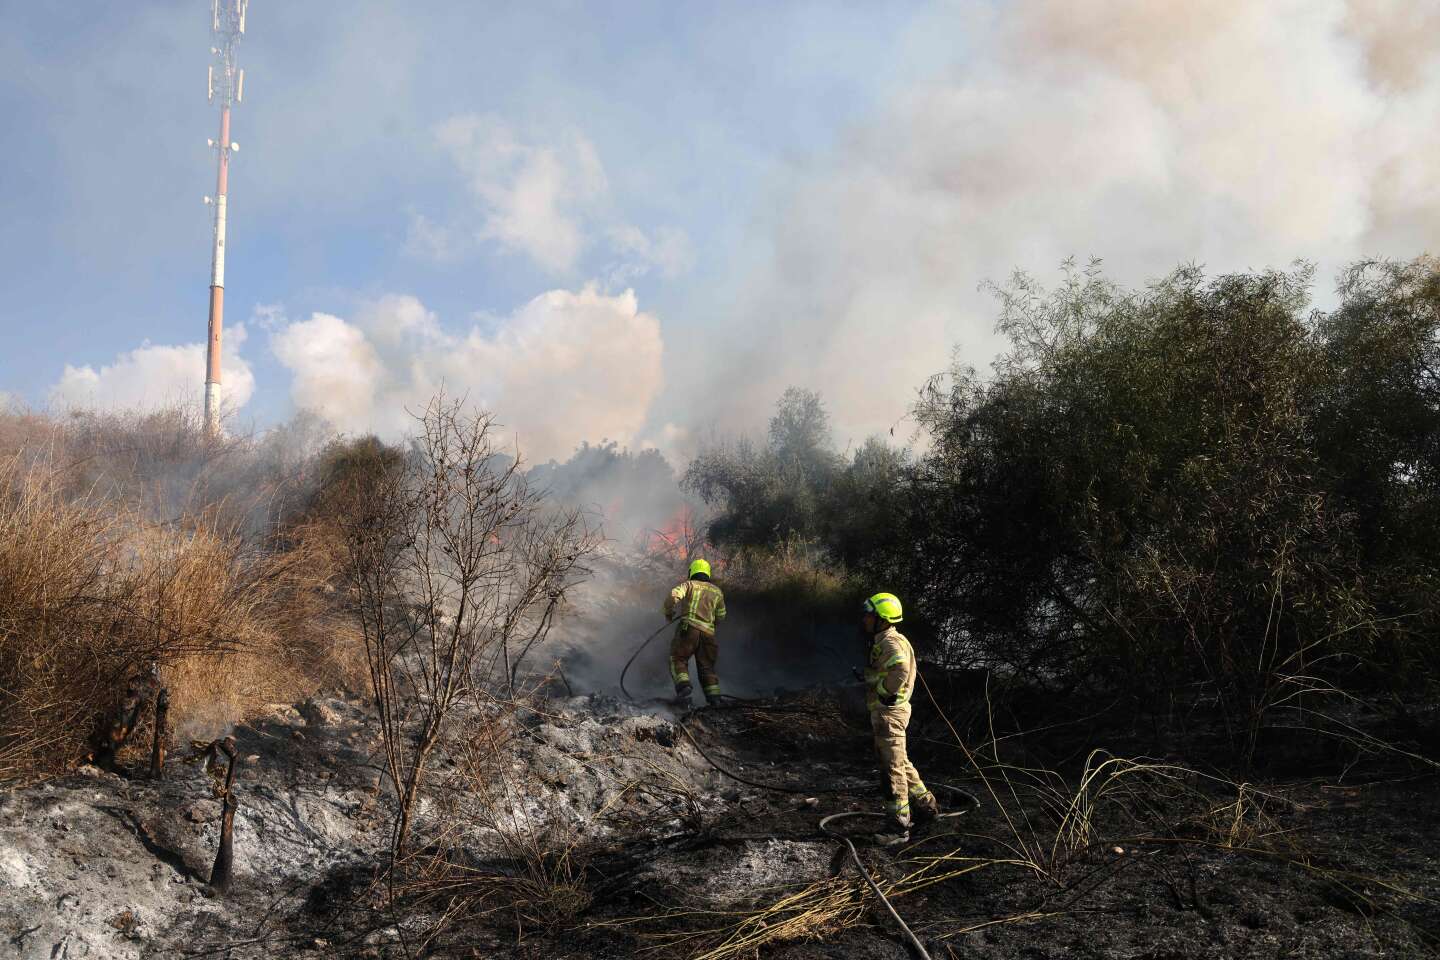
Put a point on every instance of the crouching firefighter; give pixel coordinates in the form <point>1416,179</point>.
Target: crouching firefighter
<point>699,605</point>
<point>890,676</point>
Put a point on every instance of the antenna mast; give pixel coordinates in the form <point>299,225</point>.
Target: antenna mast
<point>226,84</point>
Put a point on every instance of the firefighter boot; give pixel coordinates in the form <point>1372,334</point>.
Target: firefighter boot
<point>895,831</point>
<point>897,824</point>
<point>925,809</point>
<point>682,692</point>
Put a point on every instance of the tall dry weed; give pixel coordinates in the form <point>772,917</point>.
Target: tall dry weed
<point>96,586</point>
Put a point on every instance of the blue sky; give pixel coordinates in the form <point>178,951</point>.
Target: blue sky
<point>645,219</point>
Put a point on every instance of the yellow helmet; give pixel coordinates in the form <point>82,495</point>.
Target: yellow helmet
<point>699,566</point>
<point>886,606</point>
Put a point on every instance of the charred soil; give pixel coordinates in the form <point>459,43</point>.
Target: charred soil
<point>617,837</point>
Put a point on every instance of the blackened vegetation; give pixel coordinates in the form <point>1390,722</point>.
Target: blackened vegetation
<point>113,732</point>
<point>223,870</point>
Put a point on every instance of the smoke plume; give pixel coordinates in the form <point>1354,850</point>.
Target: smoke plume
<point>1232,134</point>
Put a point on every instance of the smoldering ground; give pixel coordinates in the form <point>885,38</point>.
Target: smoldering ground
<point>620,606</point>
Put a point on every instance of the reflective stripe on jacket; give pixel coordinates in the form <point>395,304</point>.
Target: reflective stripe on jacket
<point>698,603</point>
<point>891,668</point>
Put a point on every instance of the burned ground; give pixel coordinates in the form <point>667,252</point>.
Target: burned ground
<point>661,854</point>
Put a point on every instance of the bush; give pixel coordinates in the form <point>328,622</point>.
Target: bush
<point>1202,490</point>
<point>796,500</point>
<point>769,494</point>
<point>96,587</point>
<point>1164,487</point>
<point>457,567</point>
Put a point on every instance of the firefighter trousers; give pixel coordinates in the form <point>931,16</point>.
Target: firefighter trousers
<point>692,641</point>
<point>897,772</point>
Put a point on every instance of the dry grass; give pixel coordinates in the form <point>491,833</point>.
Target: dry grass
<point>813,912</point>
<point>96,587</point>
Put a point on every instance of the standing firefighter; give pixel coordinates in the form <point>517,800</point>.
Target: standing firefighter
<point>889,680</point>
<point>700,605</point>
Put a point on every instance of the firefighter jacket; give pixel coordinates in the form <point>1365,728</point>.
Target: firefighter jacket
<point>891,669</point>
<point>698,603</point>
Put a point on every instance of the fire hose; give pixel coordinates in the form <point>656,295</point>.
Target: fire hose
<point>638,649</point>
<point>825,822</point>
<point>826,829</point>
<point>628,663</point>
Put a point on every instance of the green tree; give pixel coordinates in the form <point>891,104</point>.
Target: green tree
<point>1193,483</point>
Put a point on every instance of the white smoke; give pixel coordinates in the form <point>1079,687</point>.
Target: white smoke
<point>1398,38</point>
<point>1233,134</point>
<point>154,375</point>
<point>565,367</point>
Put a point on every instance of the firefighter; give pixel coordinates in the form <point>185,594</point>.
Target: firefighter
<point>890,675</point>
<point>699,605</point>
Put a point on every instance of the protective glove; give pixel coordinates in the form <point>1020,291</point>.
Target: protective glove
<point>889,699</point>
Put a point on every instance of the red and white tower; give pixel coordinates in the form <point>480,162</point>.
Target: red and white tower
<point>227,86</point>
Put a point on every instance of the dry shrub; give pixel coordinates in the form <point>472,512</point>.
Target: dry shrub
<point>95,588</point>
<point>162,463</point>
<point>273,631</point>
<point>458,568</point>
<point>1054,823</point>
<point>791,585</point>
<point>23,431</point>
<point>811,912</point>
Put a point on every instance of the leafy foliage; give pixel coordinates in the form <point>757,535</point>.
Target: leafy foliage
<point>796,493</point>
<point>1198,482</point>
<point>1203,485</point>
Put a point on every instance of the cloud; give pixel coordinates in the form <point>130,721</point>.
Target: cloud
<point>565,367</point>
<point>532,197</point>
<point>668,251</point>
<point>547,200</point>
<point>1232,134</point>
<point>153,376</point>
<point>429,240</point>
<point>336,370</point>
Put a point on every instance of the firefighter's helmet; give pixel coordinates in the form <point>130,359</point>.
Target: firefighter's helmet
<point>886,606</point>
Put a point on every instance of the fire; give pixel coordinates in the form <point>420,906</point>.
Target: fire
<point>678,539</point>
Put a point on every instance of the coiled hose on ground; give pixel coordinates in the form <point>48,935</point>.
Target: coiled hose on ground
<point>825,822</point>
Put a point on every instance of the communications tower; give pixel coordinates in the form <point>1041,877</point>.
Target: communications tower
<point>226,85</point>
